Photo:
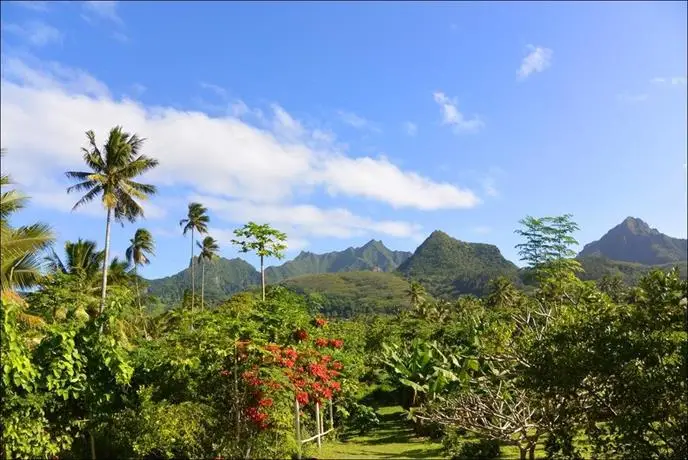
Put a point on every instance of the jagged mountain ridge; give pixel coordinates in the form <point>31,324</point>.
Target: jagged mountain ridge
<point>446,266</point>
<point>633,240</point>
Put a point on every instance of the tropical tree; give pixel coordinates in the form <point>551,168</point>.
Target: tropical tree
<point>141,246</point>
<point>19,247</point>
<point>416,294</point>
<point>209,249</point>
<point>547,245</point>
<point>196,220</point>
<point>502,293</point>
<point>81,257</point>
<point>264,240</point>
<point>111,177</point>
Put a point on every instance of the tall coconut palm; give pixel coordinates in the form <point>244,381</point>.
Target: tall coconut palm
<point>137,253</point>
<point>196,221</point>
<point>111,177</point>
<point>209,250</point>
<point>20,246</point>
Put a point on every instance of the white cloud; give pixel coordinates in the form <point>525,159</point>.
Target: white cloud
<point>537,60</point>
<point>102,9</point>
<point>223,157</point>
<point>381,180</point>
<point>305,220</point>
<point>671,81</point>
<point>410,128</point>
<point>452,116</point>
<point>35,33</point>
<point>356,121</point>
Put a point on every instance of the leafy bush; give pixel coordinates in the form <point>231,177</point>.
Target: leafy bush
<point>460,448</point>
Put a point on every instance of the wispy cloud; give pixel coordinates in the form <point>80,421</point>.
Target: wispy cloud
<point>669,81</point>
<point>35,33</point>
<point>410,128</point>
<point>537,60</point>
<point>357,121</point>
<point>102,9</point>
<point>453,117</point>
<point>217,90</point>
<point>632,98</point>
<point>490,187</point>
<point>33,5</point>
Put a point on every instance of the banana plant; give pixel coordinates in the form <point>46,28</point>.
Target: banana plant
<point>424,368</point>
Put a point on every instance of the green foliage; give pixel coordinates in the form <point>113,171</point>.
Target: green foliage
<point>459,448</point>
<point>448,267</point>
<point>353,293</point>
<point>546,248</point>
<point>19,247</point>
<point>263,240</point>
<point>223,277</point>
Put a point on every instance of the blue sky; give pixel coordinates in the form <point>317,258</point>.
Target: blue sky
<point>342,122</point>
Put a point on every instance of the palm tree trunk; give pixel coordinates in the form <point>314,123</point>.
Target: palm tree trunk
<point>92,443</point>
<point>193,281</point>
<point>138,296</point>
<point>262,276</point>
<point>105,262</point>
<point>202,282</point>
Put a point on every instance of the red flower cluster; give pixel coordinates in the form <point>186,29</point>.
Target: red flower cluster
<point>336,343</point>
<point>320,322</point>
<point>257,416</point>
<point>321,342</point>
<point>301,335</point>
<point>224,372</point>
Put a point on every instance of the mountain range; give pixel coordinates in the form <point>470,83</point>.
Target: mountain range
<point>373,277</point>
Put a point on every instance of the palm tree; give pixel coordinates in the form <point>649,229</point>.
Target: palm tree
<point>502,293</point>
<point>111,177</point>
<point>141,244</point>
<point>19,247</point>
<point>81,257</point>
<point>209,249</point>
<point>196,220</point>
<point>416,294</point>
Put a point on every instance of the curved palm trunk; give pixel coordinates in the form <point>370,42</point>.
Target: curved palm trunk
<point>202,282</point>
<point>138,297</point>
<point>103,291</point>
<point>193,278</point>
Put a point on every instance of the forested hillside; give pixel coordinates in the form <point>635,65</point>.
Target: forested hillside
<point>373,256</point>
<point>448,267</point>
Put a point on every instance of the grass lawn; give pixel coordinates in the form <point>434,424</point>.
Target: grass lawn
<point>393,438</point>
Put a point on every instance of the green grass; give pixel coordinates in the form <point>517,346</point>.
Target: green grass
<point>393,438</point>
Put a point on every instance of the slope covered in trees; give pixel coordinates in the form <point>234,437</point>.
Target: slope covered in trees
<point>353,293</point>
<point>635,241</point>
<point>448,267</point>
<point>373,256</point>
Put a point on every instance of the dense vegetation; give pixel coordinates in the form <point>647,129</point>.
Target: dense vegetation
<point>352,294</point>
<point>575,368</point>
